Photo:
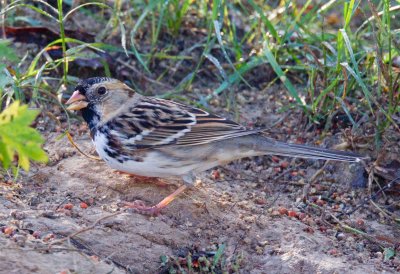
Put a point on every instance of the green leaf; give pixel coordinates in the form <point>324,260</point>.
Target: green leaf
<point>218,255</point>
<point>6,51</point>
<point>18,138</point>
<point>388,253</point>
<point>164,260</point>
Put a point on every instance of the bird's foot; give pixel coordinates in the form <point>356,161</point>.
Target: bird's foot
<point>140,207</point>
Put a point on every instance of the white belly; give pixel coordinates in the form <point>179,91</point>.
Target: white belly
<point>151,165</point>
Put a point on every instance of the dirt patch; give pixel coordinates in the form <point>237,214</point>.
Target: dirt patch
<point>239,205</point>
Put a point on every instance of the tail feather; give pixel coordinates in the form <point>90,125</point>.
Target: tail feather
<point>304,151</point>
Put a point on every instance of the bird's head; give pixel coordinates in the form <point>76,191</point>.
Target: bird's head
<point>98,93</point>
<point>100,99</point>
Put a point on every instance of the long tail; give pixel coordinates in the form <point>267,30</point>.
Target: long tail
<point>304,151</point>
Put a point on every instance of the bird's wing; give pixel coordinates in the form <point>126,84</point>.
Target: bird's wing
<point>155,122</point>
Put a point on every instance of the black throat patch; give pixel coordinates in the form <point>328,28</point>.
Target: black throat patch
<point>91,118</point>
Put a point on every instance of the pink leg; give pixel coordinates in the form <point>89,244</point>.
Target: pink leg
<point>140,207</point>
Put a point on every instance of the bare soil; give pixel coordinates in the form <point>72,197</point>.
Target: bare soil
<point>47,227</point>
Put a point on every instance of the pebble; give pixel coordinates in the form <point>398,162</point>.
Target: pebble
<point>37,234</point>
<point>379,255</point>
<point>340,236</point>
<point>49,214</point>
<point>19,215</point>
<point>259,250</point>
<point>249,219</point>
<point>360,247</point>
<point>19,239</point>
<point>34,201</point>
<point>396,261</point>
<point>247,240</point>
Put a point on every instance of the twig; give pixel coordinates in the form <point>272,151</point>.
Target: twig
<point>318,172</point>
<point>372,197</point>
<point>349,228</point>
<point>79,150</point>
<point>60,241</point>
<point>71,140</point>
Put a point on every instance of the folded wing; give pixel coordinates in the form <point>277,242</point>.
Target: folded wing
<point>155,122</point>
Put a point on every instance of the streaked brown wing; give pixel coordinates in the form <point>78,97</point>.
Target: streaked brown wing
<point>156,122</point>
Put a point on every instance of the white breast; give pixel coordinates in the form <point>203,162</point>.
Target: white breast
<point>153,165</point>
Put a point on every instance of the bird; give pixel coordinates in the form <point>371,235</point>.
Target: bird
<point>153,137</point>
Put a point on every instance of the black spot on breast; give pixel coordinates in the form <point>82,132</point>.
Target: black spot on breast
<point>112,154</point>
<point>112,143</point>
<point>104,130</point>
<point>93,133</point>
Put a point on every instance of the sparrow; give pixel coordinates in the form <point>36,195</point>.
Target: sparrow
<point>153,137</point>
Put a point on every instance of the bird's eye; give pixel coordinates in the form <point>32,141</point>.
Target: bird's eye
<point>101,90</point>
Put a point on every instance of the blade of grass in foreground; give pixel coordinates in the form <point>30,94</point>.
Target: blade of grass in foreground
<point>138,56</point>
<point>233,78</point>
<point>63,43</point>
<point>266,22</point>
<point>218,34</point>
<point>218,255</point>
<point>289,86</point>
<point>355,72</point>
<point>16,4</point>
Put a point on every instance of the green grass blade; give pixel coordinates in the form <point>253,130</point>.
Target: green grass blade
<point>265,20</point>
<point>138,56</point>
<point>62,35</point>
<point>289,86</point>
<point>217,64</point>
<point>347,111</point>
<point>218,255</point>
<point>354,71</point>
<point>323,93</point>
<point>234,77</point>
<point>360,82</point>
<point>40,11</point>
<point>219,38</point>
<point>84,5</point>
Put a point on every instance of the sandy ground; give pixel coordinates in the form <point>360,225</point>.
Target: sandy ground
<point>48,229</point>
